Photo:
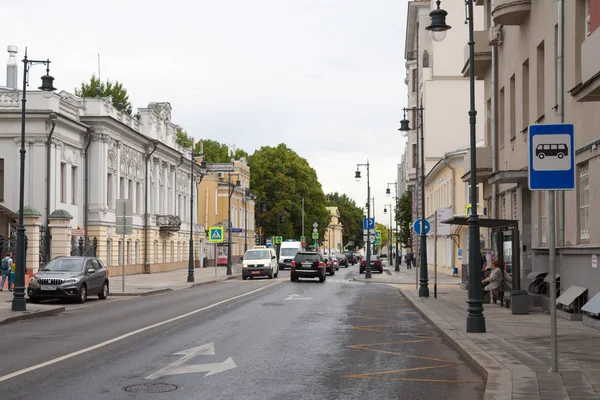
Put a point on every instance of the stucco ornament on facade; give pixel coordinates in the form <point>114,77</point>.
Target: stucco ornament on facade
<point>9,99</point>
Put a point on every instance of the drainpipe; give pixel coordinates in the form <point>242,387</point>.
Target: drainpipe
<point>452,198</point>
<point>53,118</point>
<point>154,146</point>
<point>90,133</point>
<point>493,120</point>
<point>560,86</point>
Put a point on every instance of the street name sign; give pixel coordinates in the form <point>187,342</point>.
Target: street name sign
<point>551,157</point>
<point>236,230</point>
<point>215,234</point>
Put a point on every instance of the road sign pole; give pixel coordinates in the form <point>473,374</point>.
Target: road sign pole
<point>123,250</point>
<point>435,266</point>
<point>551,259</point>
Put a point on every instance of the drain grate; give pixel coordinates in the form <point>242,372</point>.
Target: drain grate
<point>151,388</point>
<point>414,333</point>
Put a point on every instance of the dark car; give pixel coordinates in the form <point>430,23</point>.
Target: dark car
<point>308,265</point>
<point>69,278</point>
<point>376,264</point>
<point>329,264</point>
<point>349,257</point>
<point>342,259</point>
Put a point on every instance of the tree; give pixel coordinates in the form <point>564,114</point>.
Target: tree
<point>404,218</point>
<point>281,178</point>
<point>120,98</point>
<point>216,152</point>
<point>384,236</point>
<point>183,139</point>
<point>351,217</point>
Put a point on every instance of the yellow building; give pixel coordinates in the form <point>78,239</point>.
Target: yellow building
<point>213,199</point>
<point>445,191</point>
<point>333,241</point>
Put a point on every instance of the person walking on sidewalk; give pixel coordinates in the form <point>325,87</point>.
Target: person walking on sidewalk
<point>5,268</point>
<point>409,259</point>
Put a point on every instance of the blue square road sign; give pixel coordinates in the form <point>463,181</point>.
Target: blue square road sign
<point>551,157</point>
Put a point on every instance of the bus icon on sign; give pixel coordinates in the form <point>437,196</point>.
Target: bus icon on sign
<point>551,150</point>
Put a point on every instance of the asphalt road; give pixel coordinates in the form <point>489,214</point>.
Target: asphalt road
<point>277,340</point>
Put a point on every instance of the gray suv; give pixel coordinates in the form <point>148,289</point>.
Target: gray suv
<point>69,278</point>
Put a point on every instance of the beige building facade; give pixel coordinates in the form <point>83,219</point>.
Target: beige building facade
<point>525,90</point>
<point>333,241</point>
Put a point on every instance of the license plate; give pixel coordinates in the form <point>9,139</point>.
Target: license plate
<point>255,272</point>
<point>48,287</point>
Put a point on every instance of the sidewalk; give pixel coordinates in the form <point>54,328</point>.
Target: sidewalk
<point>408,277</point>
<point>135,285</point>
<point>514,354</point>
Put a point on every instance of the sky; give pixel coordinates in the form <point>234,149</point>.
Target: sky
<point>325,77</point>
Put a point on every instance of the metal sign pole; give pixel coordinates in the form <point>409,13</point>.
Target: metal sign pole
<point>551,259</point>
<point>123,250</point>
<point>435,264</point>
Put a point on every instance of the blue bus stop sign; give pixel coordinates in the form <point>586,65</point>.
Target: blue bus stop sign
<point>551,157</point>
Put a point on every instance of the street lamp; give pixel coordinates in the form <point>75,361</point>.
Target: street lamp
<point>387,192</point>
<point>193,187</point>
<point>18,301</point>
<point>247,195</point>
<point>475,318</point>
<point>389,230</point>
<point>230,189</point>
<point>357,177</point>
<point>423,278</point>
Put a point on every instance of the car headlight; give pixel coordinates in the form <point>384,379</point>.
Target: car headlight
<point>33,279</point>
<point>244,265</point>
<point>71,280</point>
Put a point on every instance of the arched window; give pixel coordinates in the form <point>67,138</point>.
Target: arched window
<point>137,251</point>
<point>155,251</point>
<point>109,260</point>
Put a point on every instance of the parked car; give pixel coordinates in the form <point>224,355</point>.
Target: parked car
<point>350,257</point>
<point>308,265</point>
<point>69,278</point>
<point>260,262</point>
<point>375,264</point>
<point>336,262</point>
<point>342,259</point>
<point>383,257</point>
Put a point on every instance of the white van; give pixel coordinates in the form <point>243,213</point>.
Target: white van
<point>260,261</point>
<point>287,252</point>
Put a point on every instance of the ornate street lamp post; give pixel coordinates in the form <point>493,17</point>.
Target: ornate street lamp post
<point>387,192</point>
<point>230,189</point>
<point>193,187</point>
<point>18,302</point>
<point>357,177</point>
<point>475,318</point>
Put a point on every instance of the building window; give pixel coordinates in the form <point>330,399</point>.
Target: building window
<point>1,179</point>
<point>488,122</point>
<point>121,252</point>
<point>138,199</point>
<point>130,193</point>
<point>109,191</point>
<point>129,252</point>
<point>525,94</point>
<point>541,84</point>
<point>156,251</point>
<point>63,182</point>
<point>513,203</point>
<point>501,115</point>
<point>73,185</point>
<point>513,108</point>
<point>414,155</point>
<point>503,207</point>
<point>544,217</point>
<point>122,188</point>
<point>137,251</point>
<point>164,251</point>
<point>109,260</point>
<point>584,201</point>
<point>414,80</point>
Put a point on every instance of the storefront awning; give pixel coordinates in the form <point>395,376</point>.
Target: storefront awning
<point>569,296</point>
<point>483,222</point>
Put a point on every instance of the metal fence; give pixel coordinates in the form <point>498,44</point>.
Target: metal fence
<point>84,246</point>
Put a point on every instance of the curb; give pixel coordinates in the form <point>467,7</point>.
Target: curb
<point>135,294</point>
<point>497,377</point>
<point>31,315</point>
<point>203,283</point>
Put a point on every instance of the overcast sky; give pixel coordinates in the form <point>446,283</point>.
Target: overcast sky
<point>326,77</point>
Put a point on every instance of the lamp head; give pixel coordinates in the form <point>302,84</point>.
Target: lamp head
<point>388,192</point>
<point>357,175</point>
<point>438,26</point>
<point>47,85</point>
<point>385,210</point>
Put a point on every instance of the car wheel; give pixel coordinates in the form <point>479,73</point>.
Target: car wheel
<point>104,293</point>
<point>332,271</point>
<point>34,300</point>
<point>276,273</point>
<point>322,278</point>
<point>271,274</point>
<point>293,278</point>
<point>82,294</point>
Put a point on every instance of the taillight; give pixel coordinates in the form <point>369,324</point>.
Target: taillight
<point>320,264</point>
<point>293,263</point>
<point>378,263</point>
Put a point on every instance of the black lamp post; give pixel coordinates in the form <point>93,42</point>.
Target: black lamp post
<point>230,189</point>
<point>357,177</point>
<point>423,278</point>
<point>247,195</point>
<point>18,301</point>
<point>190,277</point>
<point>475,319</point>
<point>387,192</point>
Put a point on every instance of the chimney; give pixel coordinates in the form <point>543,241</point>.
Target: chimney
<point>12,71</point>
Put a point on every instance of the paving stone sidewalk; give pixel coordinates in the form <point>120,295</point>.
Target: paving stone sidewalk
<point>514,354</point>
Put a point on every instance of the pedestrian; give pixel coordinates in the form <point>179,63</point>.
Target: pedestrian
<point>409,259</point>
<point>5,268</point>
<point>13,269</point>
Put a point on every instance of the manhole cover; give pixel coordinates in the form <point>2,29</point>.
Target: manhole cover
<point>273,304</point>
<point>151,388</point>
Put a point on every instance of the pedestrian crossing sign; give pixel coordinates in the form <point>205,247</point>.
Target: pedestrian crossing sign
<point>315,236</point>
<point>215,234</point>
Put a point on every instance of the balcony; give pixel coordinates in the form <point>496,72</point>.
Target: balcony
<point>168,223</point>
<point>484,164</point>
<point>511,12</point>
<point>589,89</point>
<point>483,55</point>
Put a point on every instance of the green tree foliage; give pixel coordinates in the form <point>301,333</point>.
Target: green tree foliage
<point>216,152</point>
<point>383,247</point>
<point>281,178</point>
<point>404,218</point>
<point>183,139</point>
<point>351,217</point>
<point>120,98</point>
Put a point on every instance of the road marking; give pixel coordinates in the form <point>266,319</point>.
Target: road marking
<point>177,367</point>
<point>127,335</point>
<point>370,374</point>
<point>296,297</point>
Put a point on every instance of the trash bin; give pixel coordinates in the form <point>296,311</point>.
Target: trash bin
<point>519,301</point>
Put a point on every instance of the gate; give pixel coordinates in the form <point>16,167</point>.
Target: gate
<point>84,247</point>
<point>45,240</point>
<point>9,244</point>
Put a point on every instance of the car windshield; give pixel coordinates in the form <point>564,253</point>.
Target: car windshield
<point>306,257</point>
<point>64,265</point>
<point>257,255</point>
<point>289,252</point>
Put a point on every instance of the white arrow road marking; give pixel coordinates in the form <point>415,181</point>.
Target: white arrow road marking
<point>296,297</point>
<point>177,367</point>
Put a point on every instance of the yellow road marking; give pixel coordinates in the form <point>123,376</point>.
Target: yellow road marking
<point>403,355</point>
<point>422,380</point>
<point>369,374</point>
